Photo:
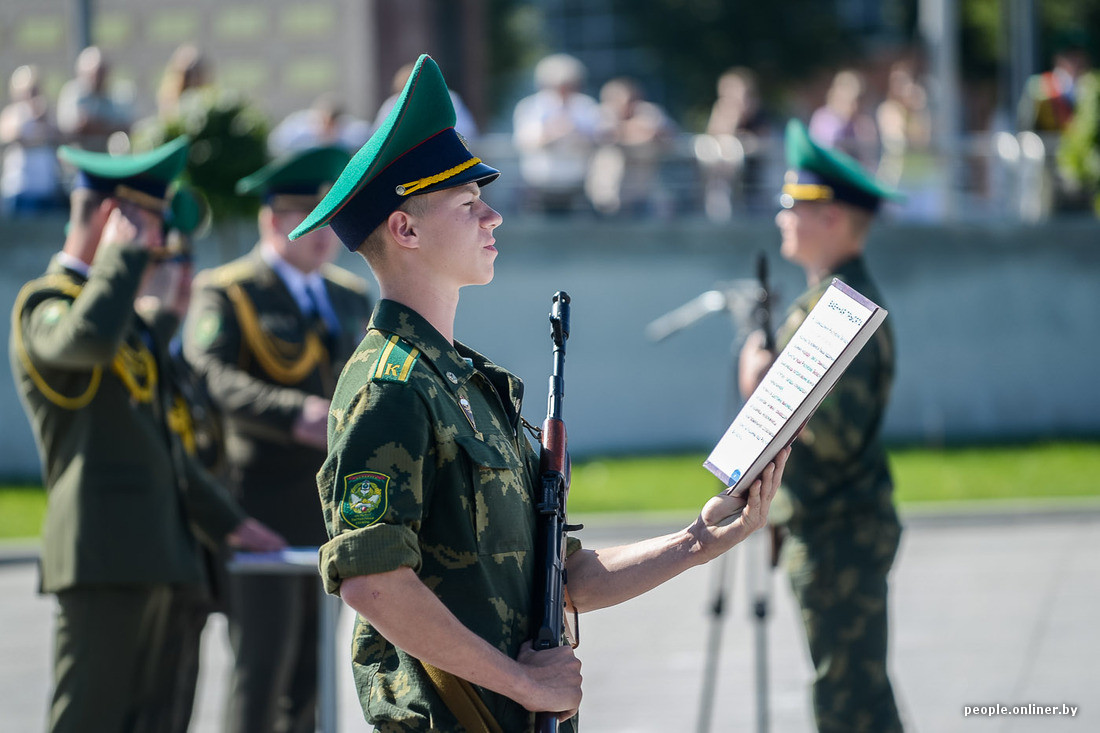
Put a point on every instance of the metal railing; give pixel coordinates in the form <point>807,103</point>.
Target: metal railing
<point>984,177</point>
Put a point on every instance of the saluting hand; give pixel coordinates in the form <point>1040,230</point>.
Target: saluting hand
<point>129,225</point>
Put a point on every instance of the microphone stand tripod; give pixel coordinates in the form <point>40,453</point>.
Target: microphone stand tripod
<point>743,300</point>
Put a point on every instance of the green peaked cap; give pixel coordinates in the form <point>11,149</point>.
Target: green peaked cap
<point>415,151</point>
<point>300,173</point>
<point>141,178</point>
<point>817,173</point>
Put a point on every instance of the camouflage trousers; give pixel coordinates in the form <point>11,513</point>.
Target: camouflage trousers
<point>838,573</point>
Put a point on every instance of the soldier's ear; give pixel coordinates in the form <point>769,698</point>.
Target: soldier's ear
<point>401,225</point>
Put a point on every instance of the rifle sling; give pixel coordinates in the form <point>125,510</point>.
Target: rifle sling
<point>462,700</point>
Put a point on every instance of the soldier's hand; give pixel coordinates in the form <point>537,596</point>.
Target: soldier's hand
<point>555,680</point>
<point>753,363</point>
<point>311,426</point>
<point>128,225</point>
<point>254,536</point>
<point>713,525</point>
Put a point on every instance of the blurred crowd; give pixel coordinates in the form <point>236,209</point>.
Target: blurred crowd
<point>614,153</point>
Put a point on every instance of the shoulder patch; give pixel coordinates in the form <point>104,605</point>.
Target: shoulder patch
<point>396,362</point>
<point>344,278</point>
<point>365,498</point>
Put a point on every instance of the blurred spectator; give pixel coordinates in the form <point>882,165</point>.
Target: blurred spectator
<point>1050,99</point>
<point>87,112</point>
<point>733,151</point>
<point>29,174</point>
<point>187,70</point>
<point>228,133</point>
<point>325,123</point>
<point>904,123</point>
<point>633,134</point>
<point>843,124</point>
<point>554,131</point>
<point>905,129</point>
<point>464,121</point>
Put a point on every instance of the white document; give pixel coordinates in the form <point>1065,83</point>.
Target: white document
<point>835,330</point>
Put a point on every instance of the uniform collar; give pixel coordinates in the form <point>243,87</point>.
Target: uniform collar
<point>456,364</point>
<point>296,281</point>
<point>393,317</point>
<point>851,271</point>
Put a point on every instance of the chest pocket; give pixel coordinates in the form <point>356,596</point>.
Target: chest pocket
<point>502,513</point>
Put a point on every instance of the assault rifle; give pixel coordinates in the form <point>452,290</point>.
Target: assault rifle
<point>554,489</point>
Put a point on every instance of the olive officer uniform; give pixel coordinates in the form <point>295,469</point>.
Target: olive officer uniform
<point>197,423</point>
<point>121,492</point>
<point>260,352</point>
<point>836,501</point>
<point>427,467</point>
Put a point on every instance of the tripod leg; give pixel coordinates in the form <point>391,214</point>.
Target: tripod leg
<point>722,579</point>
<point>758,580</point>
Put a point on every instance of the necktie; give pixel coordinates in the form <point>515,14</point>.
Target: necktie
<point>321,318</point>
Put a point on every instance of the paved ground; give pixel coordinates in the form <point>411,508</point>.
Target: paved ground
<point>990,608</point>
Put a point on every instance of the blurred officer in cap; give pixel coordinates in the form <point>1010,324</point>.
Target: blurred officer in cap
<point>428,485</point>
<point>836,504</point>
<point>122,494</point>
<point>268,334</point>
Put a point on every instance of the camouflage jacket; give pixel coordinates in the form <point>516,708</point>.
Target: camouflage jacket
<point>428,468</point>
<point>838,464</point>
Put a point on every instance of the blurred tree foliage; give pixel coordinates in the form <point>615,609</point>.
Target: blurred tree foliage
<point>228,142</point>
<point>1079,152</point>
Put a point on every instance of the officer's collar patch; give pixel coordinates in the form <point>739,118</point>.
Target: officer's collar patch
<point>365,499</point>
<point>396,362</point>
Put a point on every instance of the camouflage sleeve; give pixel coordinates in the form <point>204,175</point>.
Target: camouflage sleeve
<point>375,483</point>
<point>212,345</point>
<point>848,418</point>
<point>86,332</point>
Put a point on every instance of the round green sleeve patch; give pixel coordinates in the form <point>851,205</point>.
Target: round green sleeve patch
<point>207,328</point>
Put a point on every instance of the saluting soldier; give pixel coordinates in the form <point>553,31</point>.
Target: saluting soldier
<point>162,302</point>
<point>269,333</point>
<point>836,504</point>
<point>429,488</point>
<point>122,495</point>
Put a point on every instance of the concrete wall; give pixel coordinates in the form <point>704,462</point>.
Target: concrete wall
<point>996,326</point>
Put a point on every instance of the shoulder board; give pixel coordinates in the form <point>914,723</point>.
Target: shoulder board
<point>227,274</point>
<point>396,361</point>
<point>56,282</point>
<point>344,278</point>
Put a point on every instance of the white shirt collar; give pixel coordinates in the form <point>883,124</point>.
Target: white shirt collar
<point>296,280</point>
<point>74,264</point>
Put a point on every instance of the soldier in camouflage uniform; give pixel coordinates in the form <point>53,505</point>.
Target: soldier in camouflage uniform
<point>836,505</point>
<point>123,498</point>
<point>268,334</point>
<point>427,489</point>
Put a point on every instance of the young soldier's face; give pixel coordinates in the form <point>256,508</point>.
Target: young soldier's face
<point>455,229</point>
<point>803,228</point>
